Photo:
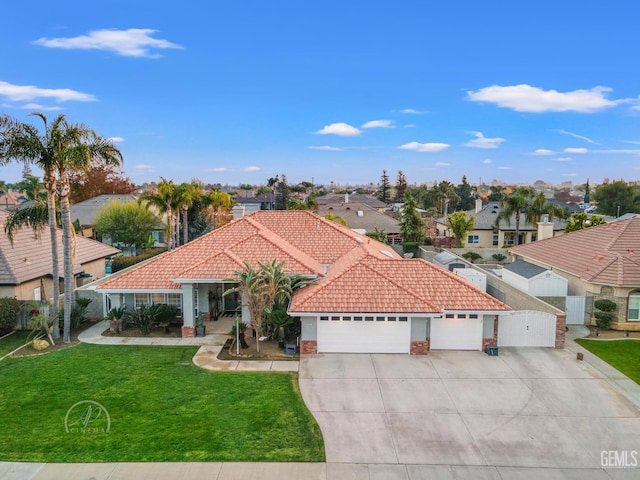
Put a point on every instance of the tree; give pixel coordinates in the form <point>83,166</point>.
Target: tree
<point>464,191</point>
<point>251,288</point>
<point>497,193</point>
<point>335,218</point>
<point>282,193</point>
<point>128,224</point>
<point>23,142</point>
<point>515,204</point>
<point>617,198</point>
<point>411,223</point>
<point>587,194</point>
<point>579,221</point>
<point>100,179</point>
<point>443,195</point>
<point>459,225</point>
<point>401,186</point>
<point>162,198</point>
<point>379,235</point>
<point>81,147</point>
<point>540,206</point>
<point>32,187</point>
<point>384,188</point>
<point>217,203</point>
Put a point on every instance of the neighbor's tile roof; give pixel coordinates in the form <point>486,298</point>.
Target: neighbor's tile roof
<point>362,217</point>
<point>29,257</point>
<point>376,285</point>
<point>303,240</point>
<point>605,254</point>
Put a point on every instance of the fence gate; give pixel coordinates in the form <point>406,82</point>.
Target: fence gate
<point>527,328</point>
<point>575,309</point>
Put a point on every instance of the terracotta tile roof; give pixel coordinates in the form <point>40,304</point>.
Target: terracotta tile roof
<point>379,285</point>
<point>30,256</point>
<point>605,254</point>
<point>303,240</point>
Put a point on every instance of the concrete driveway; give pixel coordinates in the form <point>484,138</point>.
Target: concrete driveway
<point>528,407</point>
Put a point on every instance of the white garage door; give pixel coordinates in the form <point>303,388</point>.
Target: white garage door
<point>527,328</point>
<point>456,334</point>
<point>364,334</point>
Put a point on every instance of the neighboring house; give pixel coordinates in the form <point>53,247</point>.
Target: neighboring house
<point>362,198</point>
<point>25,266</point>
<point>362,218</point>
<point>12,200</point>
<point>85,213</point>
<point>486,234</point>
<point>249,205</point>
<point>366,297</point>
<point>535,280</point>
<point>598,262</point>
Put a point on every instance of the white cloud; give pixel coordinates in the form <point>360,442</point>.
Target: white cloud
<point>134,42</point>
<point>340,128</point>
<point>36,107</point>
<point>144,168</point>
<point>424,147</point>
<point>569,174</point>
<point>218,169</point>
<point>629,151</point>
<point>575,135</point>
<point>633,142</point>
<point>116,139</point>
<point>525,98</point>
<point>378,124</point>
<point>502,167</point>
<point>483,142</point>
<point>442,164</point>
<point>252,169</point>
<point>27,93</point>
<point>542,152</point>
<point>579,150</point>
<point>325,148</point>
<point>563,159</point>
<point>487,161</point>
<point>412,111</point>
<point>409,125</point>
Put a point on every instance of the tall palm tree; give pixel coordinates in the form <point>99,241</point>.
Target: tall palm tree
<point>23,142</point>
<point>516,204</point>
<point>81,146</point>
<point>540,206</point>
<point>162,199</point>
<point>215,201</point>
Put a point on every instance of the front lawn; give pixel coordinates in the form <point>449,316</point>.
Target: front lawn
<point>10,343</point>
<point>161,408</point>
<point>623,355</point>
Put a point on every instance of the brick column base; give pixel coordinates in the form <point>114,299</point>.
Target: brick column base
<point>308,347</point>
<point>188,331</point>
<point>488,341</point>
<point>561,323</point>
<point>420,347</point>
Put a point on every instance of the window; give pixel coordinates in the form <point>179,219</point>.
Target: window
<point>346,319</point>
<point>324,318</point>
<point>140,299</point>
<point>368,319</point>
<point>158,237</point>
<point>391,319</point>
<point>449,315</point>
<point>357,319</point>
<point>379,319</point>
<point>634,307</point>
<point>473,239</point>
<point>462,315</point>
<point>402,319</point>
<point>157,298</point>
<point>335,318</point>
<point>496,239</point>
<point>175,299</point>
<point>473,315</point>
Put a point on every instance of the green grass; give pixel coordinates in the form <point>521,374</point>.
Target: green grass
<point>624,355</point>
<point>161,406</point>
<point>13,341</point>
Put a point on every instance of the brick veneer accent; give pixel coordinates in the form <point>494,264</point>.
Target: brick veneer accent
<point>419,347</point>
<point>561,324</point>
<point>488,341</point>
<point>188,331</point>
<point>308,347</point>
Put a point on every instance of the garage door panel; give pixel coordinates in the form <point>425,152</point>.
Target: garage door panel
<point>456,334</point>
<point>363,337</point>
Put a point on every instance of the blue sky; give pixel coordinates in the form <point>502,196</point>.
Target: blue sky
<point>238,91</point>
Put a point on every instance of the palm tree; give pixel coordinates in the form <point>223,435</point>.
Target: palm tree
<point>216,201</point>
<point>80,146</point>
<point>32,187</point>
<point>541,206</point>
<point>445,193</point>
<point>162,199</point>
<point>23,142</point>
<point>515,204</point>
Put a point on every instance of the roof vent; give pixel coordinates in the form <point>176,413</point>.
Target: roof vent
<point>360,213</point>
<point>387,253</point>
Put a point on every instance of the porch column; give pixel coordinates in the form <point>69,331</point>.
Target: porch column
<point>188,317</point>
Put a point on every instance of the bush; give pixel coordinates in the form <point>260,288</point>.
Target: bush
<point>499,257</point>
<point>144,317</point>
<point>603,319</point>
<point>471,256</point>
<point>605,305</point>
<point>78,312</point>
<point>411,247</point>
<point>120,263</point>
<point>9,310</point>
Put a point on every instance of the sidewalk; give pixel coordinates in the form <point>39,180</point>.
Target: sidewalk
<point>206,357</point>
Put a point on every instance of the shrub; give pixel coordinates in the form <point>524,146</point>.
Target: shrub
<point>411,247</point>
<point>9,310</point>
<point>603,319</point>
<point>144,317</point>
<point>499,257</point>
<point>120,263</point>
<point>471,256</point>
<point>605,305</point>
<point>78,312</point>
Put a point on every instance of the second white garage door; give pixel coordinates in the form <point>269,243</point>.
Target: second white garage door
<point>362,336</point>
<point>456,334</point>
